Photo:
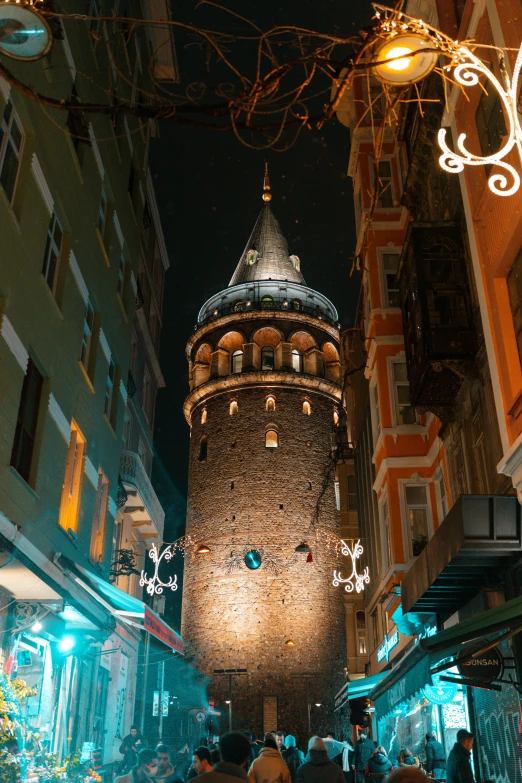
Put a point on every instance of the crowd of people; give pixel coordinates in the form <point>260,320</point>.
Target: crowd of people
<point>279,760</point>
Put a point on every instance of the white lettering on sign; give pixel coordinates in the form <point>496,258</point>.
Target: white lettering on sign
<point>383,652</point>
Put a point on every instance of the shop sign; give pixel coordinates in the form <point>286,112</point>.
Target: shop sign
<point>486,667</point>
<point>155,625</point>
<point>165,704</point>
<point>155,704</point>
<point>383,652</point>
<point>440,692</point>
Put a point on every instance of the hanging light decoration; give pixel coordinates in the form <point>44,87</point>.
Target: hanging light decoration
<point>154,584</point>
<point>354,581</point>
<point>24,33</point>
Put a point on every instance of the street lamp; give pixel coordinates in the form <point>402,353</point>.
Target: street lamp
<point>403,59</point>
<point>229,702</point>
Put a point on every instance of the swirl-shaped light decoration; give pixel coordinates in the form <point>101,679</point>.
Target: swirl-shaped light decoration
<point>354,582</point>
<point>154,584</point>
<point>467,73</point>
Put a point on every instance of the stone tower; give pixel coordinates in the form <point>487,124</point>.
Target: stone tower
<point>264,394</point>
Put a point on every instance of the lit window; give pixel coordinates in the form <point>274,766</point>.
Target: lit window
<point>271,439</point>
<point>361,649</point>
<point>417,515</point>
<point>11,138</point>
<point>204,416</point>
<point>296,262</point>
<point>270,403</point>
<point>251,257</point>
<point>352,493</point>
<point>267,358</point>
<point>203,448</point>
<point>109,406</point>
<point>337,495</point>
<point>233,408</point>
<point>238,307</point>
<point>297,304</point>
<point>88,327</point>
<point>121,275</point>
<point>237,361</point>
<point>53,246</point>
<point>72,485</point>
<point>404,411</point>
<point>100,515</point>
<point>336,416</point>
<point>102,212</point>
<point>267,302</point>
<point>307,408</point>
<point>390,264</point>
<point>297,360</point>
<point>27,421</point>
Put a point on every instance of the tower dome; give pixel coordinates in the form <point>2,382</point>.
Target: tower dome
<point>265,388</point>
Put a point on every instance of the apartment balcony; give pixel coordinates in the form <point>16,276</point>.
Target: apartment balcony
<point>142,502</point>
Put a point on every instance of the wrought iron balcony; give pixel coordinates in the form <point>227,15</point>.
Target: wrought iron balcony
<point>142,500</point>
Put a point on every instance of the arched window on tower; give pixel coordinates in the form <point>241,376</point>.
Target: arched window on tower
<point>233,408</point>
<point>237,361</point>
<point>336,416</point>
<point>307,408</point>
<point>270,403</point>
<point>204,416</point>
<point>297,304</point>
<point>297,360</point>
<point>271,439</point>
<point>267,303</point>
<point>238,306</point>
<point>203,448</point>
<point>251,257</point>
<point>267,358</point>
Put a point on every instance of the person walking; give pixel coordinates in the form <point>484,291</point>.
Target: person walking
<point>364,748</point>
<point>317,767</point>
<point>201,760</point>
<point>234,751</point>
<point>165,772</point>
<point>435,757</point>
<point>144,770</point>
<point>280,740</point>
<point>269,766</point>
<point>458,767</point>
<point>129,748</point>
<point>407,759</point>
<point>379,765</point>
<point>292,756</point>
<point>347,757</point>
<point>253,744</point>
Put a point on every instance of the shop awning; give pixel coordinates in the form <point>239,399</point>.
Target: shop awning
<point>355,689</point>
<point>477,540</point>
<point>489,624</point>
<point>403,681</point>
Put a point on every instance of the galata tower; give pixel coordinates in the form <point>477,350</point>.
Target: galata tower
<point>264,397</point>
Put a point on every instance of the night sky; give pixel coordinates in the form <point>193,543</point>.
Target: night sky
<point>208,187</point>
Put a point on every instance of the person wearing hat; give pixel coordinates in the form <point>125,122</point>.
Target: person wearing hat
<point>292,755</point>
<point>458,767</point>
<point>269,766</point>
<point>317,767</point>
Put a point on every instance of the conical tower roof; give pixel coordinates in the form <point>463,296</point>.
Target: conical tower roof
<point>270,260</point>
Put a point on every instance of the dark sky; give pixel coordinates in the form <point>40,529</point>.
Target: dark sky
<point>208,187</point>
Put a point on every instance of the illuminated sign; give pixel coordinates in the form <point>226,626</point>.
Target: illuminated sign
<point>383,652</point>
<point>155,625</point>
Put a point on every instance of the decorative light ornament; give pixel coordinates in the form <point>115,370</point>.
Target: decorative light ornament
<point>290,643</point>
<point>203,549</point>
<point>253,559</point>
<point>24,34</point>
<point>303,548</point>
<point>355,581</point>
<point>403,59</point>
<point>154,584</point>
<point>468,72</point>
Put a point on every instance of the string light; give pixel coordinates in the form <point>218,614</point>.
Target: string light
<point>355,581</point>
<point>154,584</point>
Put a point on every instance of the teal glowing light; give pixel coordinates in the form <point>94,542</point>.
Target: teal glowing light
<point>253,559</point>
<point>66,644</point>
<point>24,34</point>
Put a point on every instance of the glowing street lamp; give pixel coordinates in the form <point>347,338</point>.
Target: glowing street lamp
<point>404,59</point>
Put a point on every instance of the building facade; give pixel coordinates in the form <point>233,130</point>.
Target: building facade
<point>261,617</point>
<point>77,207</point>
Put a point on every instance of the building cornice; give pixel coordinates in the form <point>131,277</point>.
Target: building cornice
<point>261,379</point>
<point>261,315</point>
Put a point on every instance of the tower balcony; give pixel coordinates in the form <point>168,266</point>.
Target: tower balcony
<point>142,503</point>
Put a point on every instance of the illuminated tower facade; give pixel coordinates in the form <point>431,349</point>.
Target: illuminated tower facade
<point>264,395</point>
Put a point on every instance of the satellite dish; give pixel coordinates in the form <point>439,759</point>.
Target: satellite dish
<point>24,34</point>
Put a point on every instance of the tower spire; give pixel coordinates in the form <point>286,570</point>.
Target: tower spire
<point>267,195</point>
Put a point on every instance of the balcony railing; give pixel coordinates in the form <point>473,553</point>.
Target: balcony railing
<point>133,472</point>
<point>285,304</point>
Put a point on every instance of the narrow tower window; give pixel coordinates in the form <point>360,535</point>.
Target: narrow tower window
<point>233,407</point>
<point>270,403</point>
<point>204,416</point>
<point>237,361</point>
<point>267,303</point>
<point>238,306</point>
<point>307,408</point>
<point>297,360</point>
<point>336,416</point>
<point>203,448</point>
<point>271,439</point>
<point>267,358</point>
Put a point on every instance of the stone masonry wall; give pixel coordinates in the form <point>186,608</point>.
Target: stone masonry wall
<point>247,494</point>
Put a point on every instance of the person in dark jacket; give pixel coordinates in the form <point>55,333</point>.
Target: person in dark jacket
<point>378,764</point>
<point>364,748</point>
<point>317,767</point>
<point>292,756</point>
<point>435,757</point>
<point>234,749</point>
<point>130,746</point>
<point>407,759</point>
<point>253,744</point>
<point>458,767</point>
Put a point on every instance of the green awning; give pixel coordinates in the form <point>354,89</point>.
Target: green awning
<point>354,689</point>
<point>506,617</point>
<point>403,682</point>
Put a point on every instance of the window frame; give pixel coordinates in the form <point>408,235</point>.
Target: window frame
<point>270,404</point>
<point>264,350</point>
<point>87,336</point>
<point>271,431</point>
<point>386,534</point>
<point>391,190</point>
<point>397,405</point>
<point>299,360</point>
<point>235,359</point>
<point>203,448</point>
<point>73,480</point>
<point>9,143</point>
<point>51,246</point>
<point>385,290</point>
<point>99,524</point>
<point>109,407</point>
<point>405,508</point>
<point>233,408</point>
<point>33,379</point>
<point>103,209</point>
<point>306,408</point>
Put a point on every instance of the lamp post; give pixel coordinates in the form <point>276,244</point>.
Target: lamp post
<point>307,676</point>
<point>230,673</point>
<point>229,702</point>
